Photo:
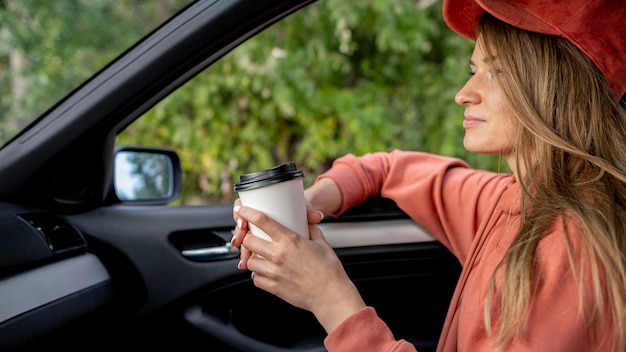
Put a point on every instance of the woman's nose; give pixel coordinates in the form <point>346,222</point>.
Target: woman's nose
<point>467,94</point>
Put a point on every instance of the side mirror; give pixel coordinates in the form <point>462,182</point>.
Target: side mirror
<point>143,175</point>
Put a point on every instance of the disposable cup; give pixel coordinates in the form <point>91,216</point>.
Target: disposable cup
<point>279,193</point>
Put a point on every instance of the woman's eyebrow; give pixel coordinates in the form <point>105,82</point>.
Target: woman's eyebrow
<point>488,59</point>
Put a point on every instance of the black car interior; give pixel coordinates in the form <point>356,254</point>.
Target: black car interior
<point>80,270</point>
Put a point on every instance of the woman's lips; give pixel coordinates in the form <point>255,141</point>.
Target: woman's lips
<point>471,122</point>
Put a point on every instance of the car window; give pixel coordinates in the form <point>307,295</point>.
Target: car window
<point>333,78</point>
<point>49,48</point>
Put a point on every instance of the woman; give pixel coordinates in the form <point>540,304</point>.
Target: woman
<point>543,248</point>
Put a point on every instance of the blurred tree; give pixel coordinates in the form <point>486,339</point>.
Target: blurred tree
<point>48,48</point>
<point>334,78</point>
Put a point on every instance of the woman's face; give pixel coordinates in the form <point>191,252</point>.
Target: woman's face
<point>489,125</point>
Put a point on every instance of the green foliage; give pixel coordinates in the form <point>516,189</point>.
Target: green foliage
<point>48,48</point>
<point>338,77</point>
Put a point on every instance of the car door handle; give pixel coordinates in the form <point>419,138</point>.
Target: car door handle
<point>226,251</point>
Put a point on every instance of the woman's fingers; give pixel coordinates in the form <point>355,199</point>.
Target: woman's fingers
<point>241,226</point>
<point>271,227</point>
<point>316,235</point>
<point>314,216</point>
<point>240,231</point>
<point>244,255</point>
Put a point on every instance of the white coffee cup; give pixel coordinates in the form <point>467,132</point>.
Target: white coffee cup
<point>279,193</point>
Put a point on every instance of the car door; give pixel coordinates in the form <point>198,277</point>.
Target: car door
<point>171,271</point>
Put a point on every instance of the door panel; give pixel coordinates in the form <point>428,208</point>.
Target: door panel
<point>409,281</point>
<point>409,285</point>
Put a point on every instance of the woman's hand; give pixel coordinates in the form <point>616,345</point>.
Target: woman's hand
<point>304,272</point>
<point>313,217</point>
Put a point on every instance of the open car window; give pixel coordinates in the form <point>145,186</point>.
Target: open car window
<point>327,80</point>
<point>49,48</point>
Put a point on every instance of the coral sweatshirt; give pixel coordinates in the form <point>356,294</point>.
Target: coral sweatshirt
<point>475,214</point>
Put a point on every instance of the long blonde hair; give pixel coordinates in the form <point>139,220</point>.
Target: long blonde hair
<point>572,145</point>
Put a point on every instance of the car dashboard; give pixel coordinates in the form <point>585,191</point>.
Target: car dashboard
<point>48,278</point>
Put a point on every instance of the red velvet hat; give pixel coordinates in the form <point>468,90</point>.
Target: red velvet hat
<point>597,27</point>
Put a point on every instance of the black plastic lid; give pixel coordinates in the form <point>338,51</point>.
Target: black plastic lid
<point>280,173</point>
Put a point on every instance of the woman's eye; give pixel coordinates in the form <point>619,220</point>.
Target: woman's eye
<point>498,71</point>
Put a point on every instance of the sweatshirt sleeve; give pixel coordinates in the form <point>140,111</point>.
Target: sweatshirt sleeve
<point>365,331</point>
<point>442,194</point>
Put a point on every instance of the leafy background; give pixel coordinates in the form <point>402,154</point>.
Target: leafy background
<point>336,77</point>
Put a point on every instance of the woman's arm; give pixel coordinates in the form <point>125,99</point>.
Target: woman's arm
<point>324,196</point>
